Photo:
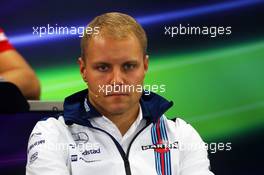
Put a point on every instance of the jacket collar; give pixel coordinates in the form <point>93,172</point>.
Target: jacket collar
<point>76,111</point>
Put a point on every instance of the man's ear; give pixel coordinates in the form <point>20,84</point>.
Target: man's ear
<point>146,63</point>
<point>82,68</point>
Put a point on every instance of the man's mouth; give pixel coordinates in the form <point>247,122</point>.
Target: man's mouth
<point>117,94</point>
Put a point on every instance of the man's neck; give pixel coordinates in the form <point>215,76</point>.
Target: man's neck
<point>125,120</point>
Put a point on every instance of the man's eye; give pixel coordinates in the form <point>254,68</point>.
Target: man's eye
<point>129,66</point>
<point>102,68</point>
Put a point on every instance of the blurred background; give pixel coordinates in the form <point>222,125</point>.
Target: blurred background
<point>216,83</point>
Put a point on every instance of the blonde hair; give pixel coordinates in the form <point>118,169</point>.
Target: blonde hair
<point>116,25</point>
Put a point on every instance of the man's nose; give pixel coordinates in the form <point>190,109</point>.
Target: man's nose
<point>117,77</point>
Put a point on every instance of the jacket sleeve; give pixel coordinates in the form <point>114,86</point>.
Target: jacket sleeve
<point>46,153</point>
<point>4,43</point>
<point>193,153</point>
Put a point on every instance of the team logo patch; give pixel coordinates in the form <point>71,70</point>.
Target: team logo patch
<point>33,157</point>
<point>80,137</point>
<point>161,147</point>
<point>74,158</point>
<point>91,151</point>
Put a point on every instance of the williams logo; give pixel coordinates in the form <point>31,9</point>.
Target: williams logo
<point>161,147</point>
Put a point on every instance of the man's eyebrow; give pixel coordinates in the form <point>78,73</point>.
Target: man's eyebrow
<point>131,62</point>
<point>100,63</point>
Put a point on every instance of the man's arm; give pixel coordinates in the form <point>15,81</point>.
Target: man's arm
<point>13,68</point>
<point>193,153</point>
<point>47,151</point>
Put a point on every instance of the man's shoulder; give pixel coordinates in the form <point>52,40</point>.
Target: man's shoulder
<point>177,121</point>
<point>182,127</point>
<point>51,130</point>
<point>48,124</point>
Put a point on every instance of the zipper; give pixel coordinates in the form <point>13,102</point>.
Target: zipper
<point>120,149</point>
<point>130,144</point>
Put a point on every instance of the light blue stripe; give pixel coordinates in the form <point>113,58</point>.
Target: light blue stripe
<point>152,136</point>
<point>154,141</point>
<point>158,163</point>
<point>169,155</point>
<point>155,135</point>
<point>166,164</point>
<point>163,129</point>
<point>164,138</point>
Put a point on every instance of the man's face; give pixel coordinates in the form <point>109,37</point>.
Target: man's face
<point>113,64</point>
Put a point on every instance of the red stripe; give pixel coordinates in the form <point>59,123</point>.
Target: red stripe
<point>161,153</point>
<point>158,132</point>
<point>162,163</point>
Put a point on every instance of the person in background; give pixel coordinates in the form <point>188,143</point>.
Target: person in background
<point>14,69</point>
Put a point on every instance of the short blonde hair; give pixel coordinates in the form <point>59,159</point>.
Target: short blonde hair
<point>116,25</point>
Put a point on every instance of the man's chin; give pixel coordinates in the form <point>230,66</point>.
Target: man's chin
<point>117,109</point>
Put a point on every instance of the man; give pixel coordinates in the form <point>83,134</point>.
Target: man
<point>121,131</point>
<point>13,68</point>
